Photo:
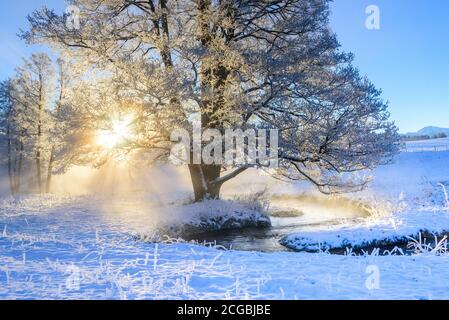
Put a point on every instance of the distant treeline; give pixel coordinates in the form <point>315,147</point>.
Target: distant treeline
<point>425,137</point>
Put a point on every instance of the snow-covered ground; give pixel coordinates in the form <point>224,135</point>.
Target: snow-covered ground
<point>408,197</point>
<point>66,248</point>
<point>85,247</point>
<point>390,232</point>
<point>427,145</point>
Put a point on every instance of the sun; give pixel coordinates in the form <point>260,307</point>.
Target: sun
<point>119,133</point>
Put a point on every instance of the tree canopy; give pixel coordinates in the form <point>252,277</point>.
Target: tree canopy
<point>271,64</point>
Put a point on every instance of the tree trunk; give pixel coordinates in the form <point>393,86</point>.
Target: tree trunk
<point>38,171</point>
<point>203,178</point>
<point>18,183</point>
<point>49,171</point>
<point>39,142</point>
<point>10,164</point>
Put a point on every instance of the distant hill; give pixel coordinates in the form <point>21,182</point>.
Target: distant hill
<point>427,133</point>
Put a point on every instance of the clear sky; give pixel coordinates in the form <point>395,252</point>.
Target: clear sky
<point>408,58</point>
<point>12,19</point>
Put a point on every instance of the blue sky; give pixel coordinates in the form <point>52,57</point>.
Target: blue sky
<point>408,58</point>
<point>12,19</point>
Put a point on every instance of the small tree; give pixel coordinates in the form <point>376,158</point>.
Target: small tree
<point>239,64</point>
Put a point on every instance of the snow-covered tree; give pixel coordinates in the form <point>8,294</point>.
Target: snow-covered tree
<point>58,144</point>
<point>238,63</point>
<point>29,95</point>
<point>10,145</point>
<point>15,131</point>
<point>91,113</point>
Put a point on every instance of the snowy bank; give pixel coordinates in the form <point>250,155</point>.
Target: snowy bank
<point>414,186</point>
<point>146,216</point>
<point>395,230</point>
<point>210,215</point>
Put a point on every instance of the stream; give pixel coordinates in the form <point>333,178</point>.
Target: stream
<point>289,214</point>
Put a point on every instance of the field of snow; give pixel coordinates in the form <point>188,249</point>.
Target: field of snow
<point>427,145</point>
<point>79,247</point>
<point>64,248</point>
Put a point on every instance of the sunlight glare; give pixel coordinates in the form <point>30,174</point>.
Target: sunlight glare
<point>119,133</point>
